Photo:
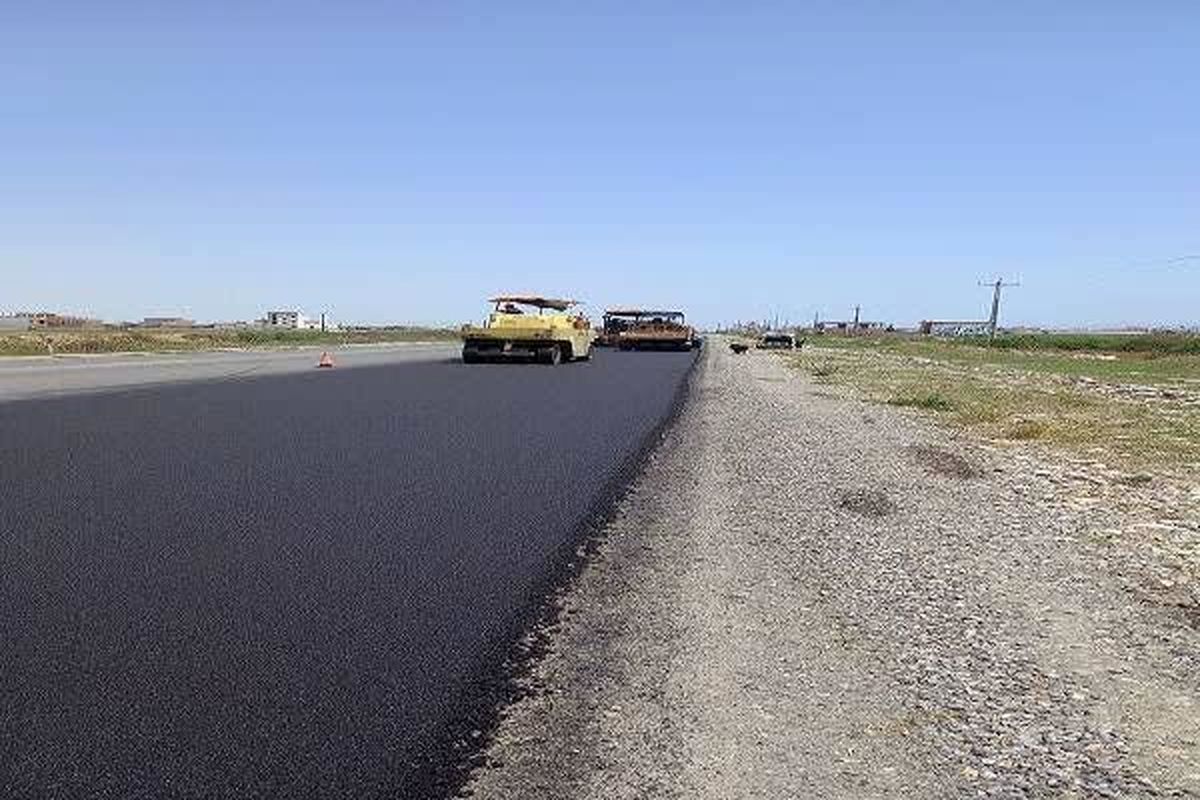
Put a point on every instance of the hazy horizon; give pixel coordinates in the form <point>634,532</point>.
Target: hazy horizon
<point>401,163</point>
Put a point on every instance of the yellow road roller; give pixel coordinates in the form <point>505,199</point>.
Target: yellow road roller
<point>529,328</point>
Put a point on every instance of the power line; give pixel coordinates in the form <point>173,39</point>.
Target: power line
<point>1158,262</point>
<point>1174,262</point>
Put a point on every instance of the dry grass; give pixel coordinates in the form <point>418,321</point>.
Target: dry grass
<point>139,341</point>
<point>1116,409</point>
<point>824,369</point>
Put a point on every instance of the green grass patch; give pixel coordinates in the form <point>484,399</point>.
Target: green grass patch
<point>931,401</point>
<point>1145,344</point>
<point>1151,359</point>
<point>1073,401</point>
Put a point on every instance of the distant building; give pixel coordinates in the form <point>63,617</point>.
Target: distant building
<point>284,319</point>
<point>51,320</point>
<point>934,327</point>
<point>826,325</point>
<point>295,320</point>
<point>44,320</point>
<point>856,325</point>
<point>166,322</point>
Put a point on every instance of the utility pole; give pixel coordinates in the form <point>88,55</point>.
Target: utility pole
<point>997,288</point>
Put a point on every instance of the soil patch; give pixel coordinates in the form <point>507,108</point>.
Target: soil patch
<point>944,462</point>
<point>868,502</point>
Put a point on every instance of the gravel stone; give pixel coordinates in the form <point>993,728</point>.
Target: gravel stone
<point>739,634</point>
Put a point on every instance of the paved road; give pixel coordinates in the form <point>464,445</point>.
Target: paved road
<point>289,586</point>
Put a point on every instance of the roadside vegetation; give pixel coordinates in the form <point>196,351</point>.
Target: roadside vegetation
<point>1131,401</point>
<point>143,341</point>
<point>1153,345</point>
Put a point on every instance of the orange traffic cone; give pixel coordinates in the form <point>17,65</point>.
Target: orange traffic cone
<point>326,361</point>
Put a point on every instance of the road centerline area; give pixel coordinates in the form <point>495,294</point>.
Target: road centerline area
<point>289,585</point>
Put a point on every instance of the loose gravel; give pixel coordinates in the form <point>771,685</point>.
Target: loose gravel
<point>744,631</point>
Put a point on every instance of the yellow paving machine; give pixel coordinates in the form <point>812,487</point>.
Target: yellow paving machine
<point>524,327</point>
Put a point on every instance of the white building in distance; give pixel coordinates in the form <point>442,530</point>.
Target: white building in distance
<point>294,320</point>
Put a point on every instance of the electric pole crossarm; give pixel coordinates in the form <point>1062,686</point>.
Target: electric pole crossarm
<point>998,287</point>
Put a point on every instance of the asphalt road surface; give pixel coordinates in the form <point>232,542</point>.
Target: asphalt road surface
<point>297,585</point>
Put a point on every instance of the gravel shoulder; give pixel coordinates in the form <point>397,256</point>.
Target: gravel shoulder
<point>808,596</point>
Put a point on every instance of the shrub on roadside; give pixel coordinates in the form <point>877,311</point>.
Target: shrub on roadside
<point>928,401</point>
<point>1151,344</point>
<point>826,369</point>
<point>1024,430</point>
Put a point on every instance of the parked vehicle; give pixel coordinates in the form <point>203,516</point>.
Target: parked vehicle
<point>778,341</point>
<point>529,328</point>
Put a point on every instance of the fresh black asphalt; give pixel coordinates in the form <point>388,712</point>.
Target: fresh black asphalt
<point>291,586</point>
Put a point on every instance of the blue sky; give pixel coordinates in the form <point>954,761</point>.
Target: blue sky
<point>399,161</point>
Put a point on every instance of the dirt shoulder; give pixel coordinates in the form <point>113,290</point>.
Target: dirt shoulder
<point>808,596</point>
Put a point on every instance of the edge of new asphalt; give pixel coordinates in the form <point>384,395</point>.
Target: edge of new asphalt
<point>452,760</point>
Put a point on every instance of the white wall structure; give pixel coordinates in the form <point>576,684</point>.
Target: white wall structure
<point>294,320</point>
<point>284,319</point>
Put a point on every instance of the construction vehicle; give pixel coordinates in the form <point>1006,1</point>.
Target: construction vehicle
<point>615,321</point>
<point>652,330</point>
<point>530,328</point>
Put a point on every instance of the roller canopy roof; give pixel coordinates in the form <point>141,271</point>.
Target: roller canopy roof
<point>537,302</point>
<point>639,312</point>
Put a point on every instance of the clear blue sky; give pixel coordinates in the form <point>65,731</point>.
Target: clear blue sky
<point>399,161</point>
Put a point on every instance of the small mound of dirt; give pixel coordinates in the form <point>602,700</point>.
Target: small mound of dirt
<point>868,502</point>
<point>943,462</point>
<point>1191,615</point>
<point>1137,479</point>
